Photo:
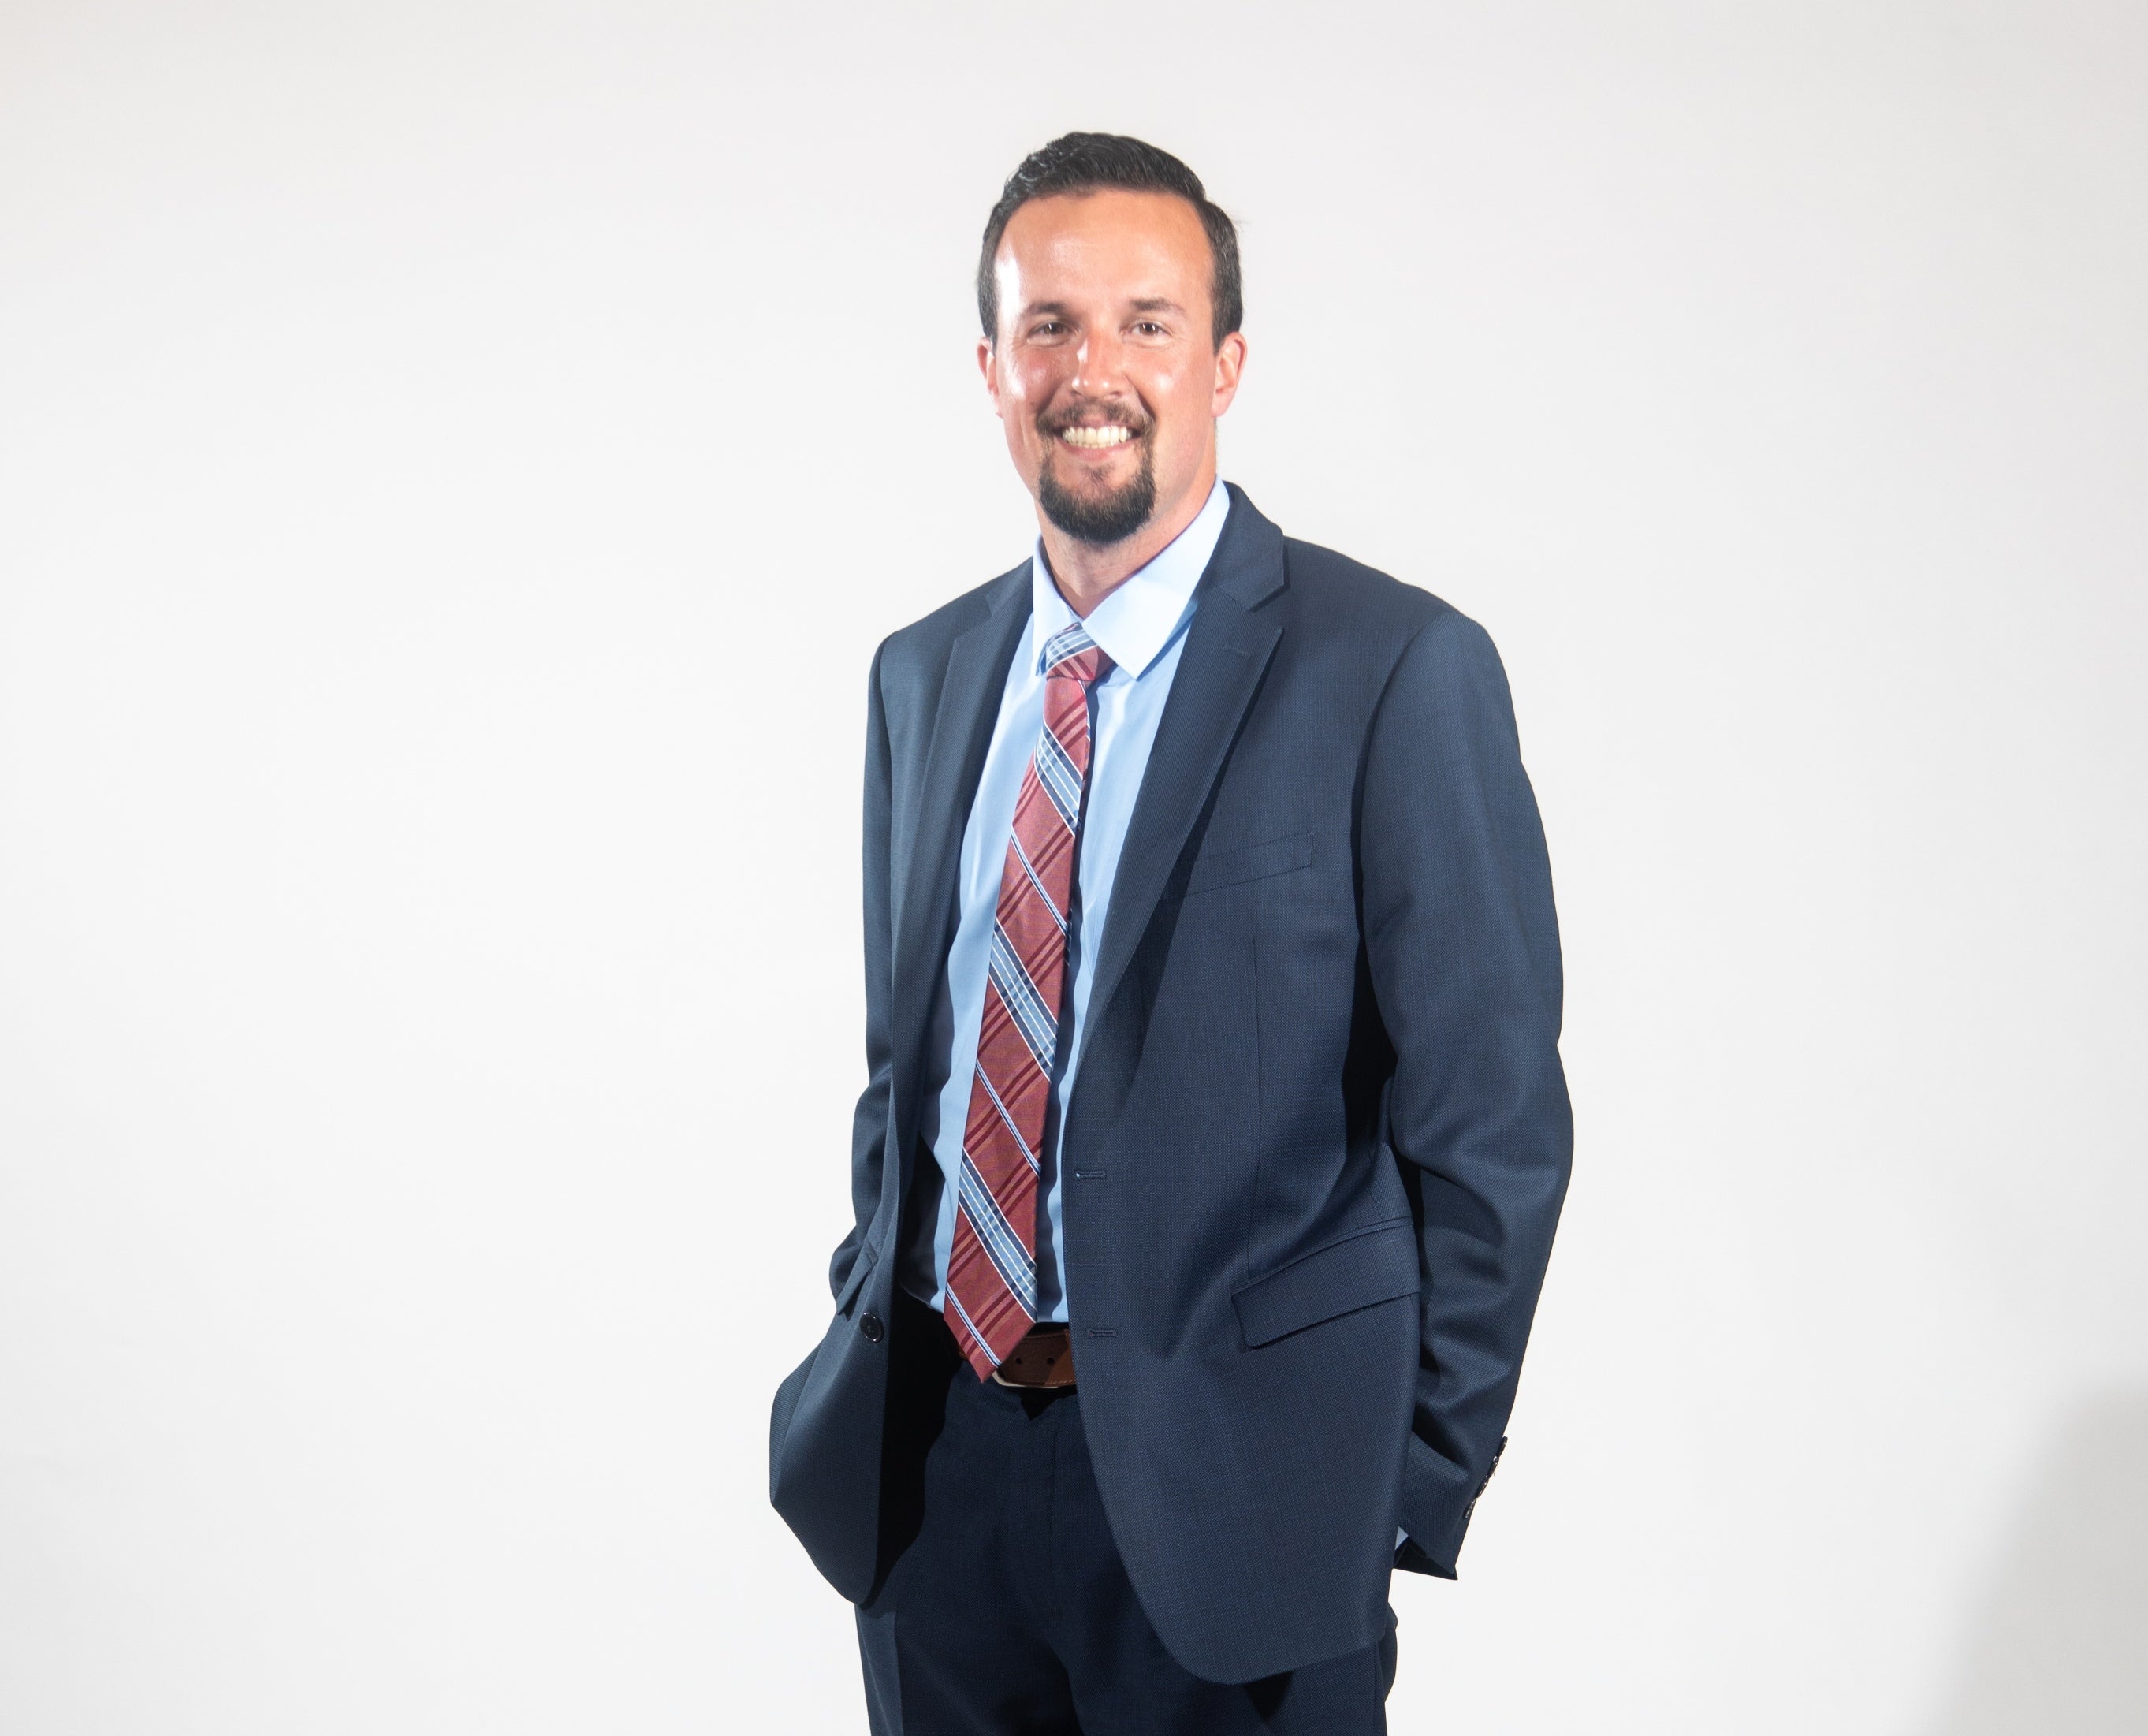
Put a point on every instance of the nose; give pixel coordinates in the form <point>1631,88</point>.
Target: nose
<point>1099,364</point>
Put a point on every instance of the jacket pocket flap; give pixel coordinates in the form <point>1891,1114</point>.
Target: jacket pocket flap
<point>1250,862</point>
<point>861,1268</point>
<point>1373,1266</point>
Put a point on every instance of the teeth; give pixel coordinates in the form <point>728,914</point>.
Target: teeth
<point>1113,436</point>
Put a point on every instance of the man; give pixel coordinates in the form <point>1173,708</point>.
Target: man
<point>1215,1130</point>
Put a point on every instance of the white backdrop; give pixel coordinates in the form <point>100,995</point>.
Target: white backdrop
<point>455,461</point>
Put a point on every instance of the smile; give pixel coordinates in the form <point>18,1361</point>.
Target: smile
<point>1095,438</point>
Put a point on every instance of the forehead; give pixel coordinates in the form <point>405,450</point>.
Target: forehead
<point>1108,246</point>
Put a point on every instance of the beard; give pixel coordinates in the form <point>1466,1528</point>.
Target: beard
<point>1101,520</point>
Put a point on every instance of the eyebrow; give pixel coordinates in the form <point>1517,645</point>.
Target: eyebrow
<point>1144,305</point>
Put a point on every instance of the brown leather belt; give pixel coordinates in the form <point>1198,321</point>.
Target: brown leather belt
<point>1045,1357</point>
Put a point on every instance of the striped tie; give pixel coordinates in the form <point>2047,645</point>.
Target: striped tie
<point>992,1272</point>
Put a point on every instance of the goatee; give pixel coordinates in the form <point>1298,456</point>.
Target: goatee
<point>1101,520</point>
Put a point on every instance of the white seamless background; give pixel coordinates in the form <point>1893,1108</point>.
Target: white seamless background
<point>455,462</point>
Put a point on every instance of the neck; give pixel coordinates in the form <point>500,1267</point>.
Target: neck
<point>1087,573</point>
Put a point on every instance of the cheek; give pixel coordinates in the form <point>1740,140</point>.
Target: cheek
<point>1030,381</point>
<point>1186,399</point>
<point>1185,390</point>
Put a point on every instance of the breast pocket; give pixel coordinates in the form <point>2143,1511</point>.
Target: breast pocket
<point>1215,868</point>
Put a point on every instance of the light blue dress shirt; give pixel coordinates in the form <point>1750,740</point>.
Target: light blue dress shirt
<point>1142,627</point>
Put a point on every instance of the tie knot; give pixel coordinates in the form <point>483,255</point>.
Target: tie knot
<point>1070,654</point>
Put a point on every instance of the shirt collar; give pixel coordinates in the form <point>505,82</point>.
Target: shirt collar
<point>1142,615</point>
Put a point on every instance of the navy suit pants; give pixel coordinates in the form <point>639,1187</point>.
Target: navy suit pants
<point>1003,1608</point>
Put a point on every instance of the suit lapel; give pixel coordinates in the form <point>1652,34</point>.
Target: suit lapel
<point>1227,647</point>
<point>969,705</point>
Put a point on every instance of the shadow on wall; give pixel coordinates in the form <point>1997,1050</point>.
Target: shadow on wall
<point>2059,1646</point>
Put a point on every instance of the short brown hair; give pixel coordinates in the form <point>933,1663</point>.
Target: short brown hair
<point>1077,162</point>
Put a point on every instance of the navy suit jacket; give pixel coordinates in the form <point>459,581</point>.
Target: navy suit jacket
<point>1317,1147</point>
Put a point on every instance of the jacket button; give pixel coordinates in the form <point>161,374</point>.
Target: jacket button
<point>872,1327</point>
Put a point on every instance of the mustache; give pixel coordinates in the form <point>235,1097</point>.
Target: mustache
<point>1096,412</point>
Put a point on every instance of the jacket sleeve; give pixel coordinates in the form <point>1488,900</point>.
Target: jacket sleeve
<point>1462,947</point>
<point>869,1127</point>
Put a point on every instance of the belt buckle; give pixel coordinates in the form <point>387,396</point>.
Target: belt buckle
<point>1044,1360</point>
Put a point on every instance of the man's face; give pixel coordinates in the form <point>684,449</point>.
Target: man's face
<point>1104,373</point>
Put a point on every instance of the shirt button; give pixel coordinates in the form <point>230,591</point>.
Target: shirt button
<point>872,1327</point>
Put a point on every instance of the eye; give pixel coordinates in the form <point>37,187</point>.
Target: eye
<point>1150,329</point>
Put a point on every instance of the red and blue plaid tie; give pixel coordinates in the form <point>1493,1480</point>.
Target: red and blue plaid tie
<point>992,1272</point>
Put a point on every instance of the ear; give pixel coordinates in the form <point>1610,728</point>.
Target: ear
<point>985,367</point>
<point>1230,362</point>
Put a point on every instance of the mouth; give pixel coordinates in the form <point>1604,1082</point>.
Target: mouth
<point>1099,438</point>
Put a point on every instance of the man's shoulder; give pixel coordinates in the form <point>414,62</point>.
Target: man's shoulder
<point>921,647</point>
<point>1333,594</point>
